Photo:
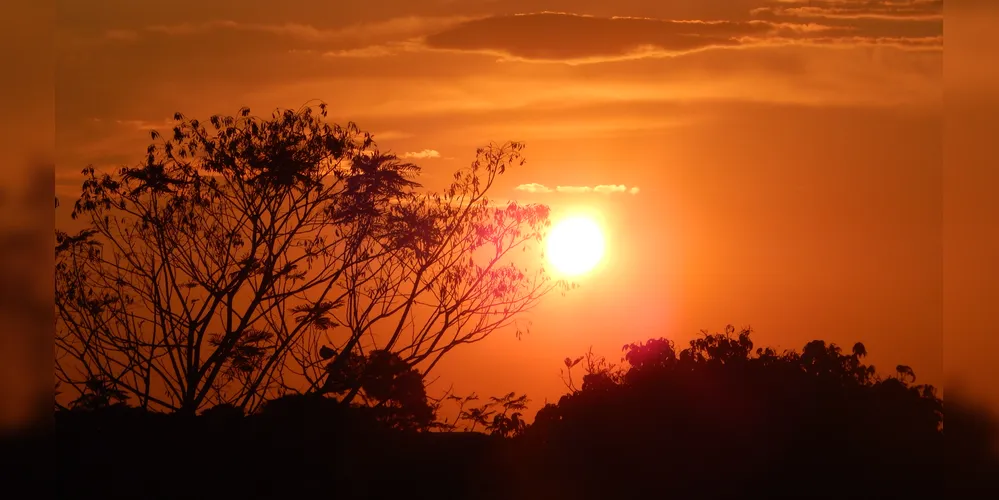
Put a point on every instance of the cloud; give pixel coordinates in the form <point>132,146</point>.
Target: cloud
<point>602,189</point>
<point>398,28</point>
<point>560,36</point>
<point>192,28</point>
<point>913,10</point>
<point>365,52</point>
<point>534,187</point>
<point>426,153</point>
<point>564,37</point>
<point>271,57</point>
<point>165,124</point>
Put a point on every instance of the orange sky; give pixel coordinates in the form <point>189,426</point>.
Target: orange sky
<point>787,154</point>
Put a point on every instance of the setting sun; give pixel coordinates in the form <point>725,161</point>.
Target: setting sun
<point>575,245</point>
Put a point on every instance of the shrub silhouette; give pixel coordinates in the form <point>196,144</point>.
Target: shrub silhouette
<point>717,419</point>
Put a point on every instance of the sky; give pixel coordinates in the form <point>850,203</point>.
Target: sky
<point>971,209</point>
<point>773,164</point>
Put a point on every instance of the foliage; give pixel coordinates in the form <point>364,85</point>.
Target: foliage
<point>500,416</point>
<point>721,405</point>
<point>718,419</point>
<point>248,258</point>
<point>100,394</point>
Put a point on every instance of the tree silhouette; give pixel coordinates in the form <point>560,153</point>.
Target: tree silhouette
<point>100,394</point>
<point>762,417</point>
<point>716,419</point>
<point>254,257</point>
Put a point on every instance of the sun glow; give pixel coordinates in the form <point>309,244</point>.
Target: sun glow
<point>575,245</point>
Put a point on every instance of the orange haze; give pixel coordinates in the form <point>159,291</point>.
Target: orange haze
<point>782,172</point>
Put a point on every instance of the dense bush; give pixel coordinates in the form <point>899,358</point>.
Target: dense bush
<point>715,420</point>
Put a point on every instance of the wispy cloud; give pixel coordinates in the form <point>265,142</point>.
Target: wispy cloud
<point>534,188</point>
<point>399,28</point>
<point>578,39</point>
<point>602,189</point>
<point>426,153</point>
<point>369,39</point>
<point>912,10</point>
<point>144,125</point>
<point>371,51</point>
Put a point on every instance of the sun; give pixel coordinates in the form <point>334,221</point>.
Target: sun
<point>575,245</point>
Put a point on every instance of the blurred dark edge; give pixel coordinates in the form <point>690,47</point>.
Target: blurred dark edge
<point>970,179</point>
<point>28,93</point>
<point>27,141</point>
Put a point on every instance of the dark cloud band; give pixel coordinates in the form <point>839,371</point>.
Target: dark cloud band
<point>550,36</point>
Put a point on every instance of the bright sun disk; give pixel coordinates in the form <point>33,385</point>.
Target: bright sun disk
<point>575,245</point>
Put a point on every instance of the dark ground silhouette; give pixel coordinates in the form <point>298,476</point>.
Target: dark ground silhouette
<point>716,420</point>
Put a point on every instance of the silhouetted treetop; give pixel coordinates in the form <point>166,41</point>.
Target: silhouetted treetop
<point>714,420</point>
<point>723,367</point>
<point>289,154</point>
<point>720,415</point>
<point>250,257</point>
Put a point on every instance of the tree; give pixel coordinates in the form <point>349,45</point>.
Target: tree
<point>501,416</point>
<point>717,416</point>
<point>260,257</point>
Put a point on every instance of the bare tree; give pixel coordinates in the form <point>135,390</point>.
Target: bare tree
<point>284,254</point>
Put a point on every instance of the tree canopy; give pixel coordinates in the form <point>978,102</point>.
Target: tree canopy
<point>720,418</point>
<point>719,408</point>
<point>248,257</point>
